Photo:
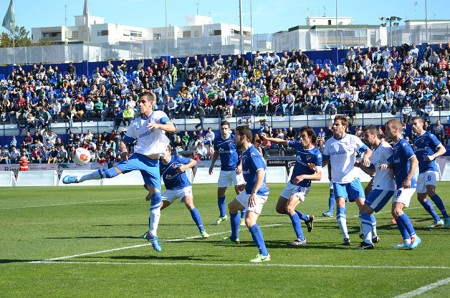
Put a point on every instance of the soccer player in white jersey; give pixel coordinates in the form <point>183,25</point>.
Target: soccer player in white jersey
<point>173,171</point>
<point>405,166</point>
<point>149,132</point>
<point>308,167</point>
<point>427,148</point>
<point>340,151</point>
<point>383,185</point>
<point>230,169</point>
<point>253,197</point>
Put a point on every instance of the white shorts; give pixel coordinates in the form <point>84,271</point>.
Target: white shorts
<point>243,197</point>
<point>403,195</point>
<point>292,189</point>
<point>171,195</point>
<point>426,178</point>
<point>228,178</point>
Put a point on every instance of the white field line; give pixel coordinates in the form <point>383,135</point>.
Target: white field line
<point>424,289</point>
<point>246,265</point>
<point>66,204</point>
<point>162,241</point>
<point>137,246</point>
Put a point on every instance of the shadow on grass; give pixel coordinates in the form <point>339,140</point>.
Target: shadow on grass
<point>95,237</point>
<point>9,261</point>
<point>158,257</point>
<point>320,246</point>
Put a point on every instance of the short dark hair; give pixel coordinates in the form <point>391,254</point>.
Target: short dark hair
<point>372,129</point>
<point>225,122</point>
<point>245,131</point>
<point>310,132</point>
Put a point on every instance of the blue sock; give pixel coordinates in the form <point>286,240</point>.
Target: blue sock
<point>297,225</point>
<point>373,221</point>
<point>258,239</point>
<point>429,208</point>
<point>95,175</point>
<point>341,216</point>
<point>234,222</point>
<point>366,224</point>
<point>406,222</point>
<point>402,230</point>
<point>331,203</point>
<point>438,202</point>
<point>221,202</point>
<point>197,219</point>
<point>302,216</point>
<point>243,213</point>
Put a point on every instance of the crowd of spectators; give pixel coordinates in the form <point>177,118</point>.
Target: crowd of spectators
<point>370,80</point>
<point>46,146</point>
<point>402,79</point>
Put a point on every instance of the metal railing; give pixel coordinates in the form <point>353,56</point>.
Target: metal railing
<point>189,124</point>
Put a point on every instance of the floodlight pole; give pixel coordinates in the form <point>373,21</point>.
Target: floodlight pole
<point>241,39</point>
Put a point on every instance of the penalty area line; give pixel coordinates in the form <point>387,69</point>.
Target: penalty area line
<point>164,241</point>
<point>136,246</point>
<point>426,288</point>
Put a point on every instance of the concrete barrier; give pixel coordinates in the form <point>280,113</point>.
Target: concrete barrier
<point>131,178</point>
<point>7,179</point>
<point>37,178</point>
<point>276,175</point>
<point>202,176</point>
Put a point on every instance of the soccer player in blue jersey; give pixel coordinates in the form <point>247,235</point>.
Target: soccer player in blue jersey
<point>173,171</point>
<point>427,148</point>
<point>383,185</point>
<point>340,151</point>
<point>253,197</point>
<point>230,170</point>
<point>308,167</point>
<point>149,132</point>
<point>405,165</point>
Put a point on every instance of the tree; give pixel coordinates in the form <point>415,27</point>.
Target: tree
<point>21,38</point>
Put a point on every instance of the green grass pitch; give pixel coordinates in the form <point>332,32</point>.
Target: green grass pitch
<point>87,242</point>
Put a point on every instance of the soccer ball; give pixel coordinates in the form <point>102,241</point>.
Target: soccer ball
<point>81,157</point>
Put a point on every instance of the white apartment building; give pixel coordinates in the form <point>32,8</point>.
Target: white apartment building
<point>322,33</point>
<point>198,35</point>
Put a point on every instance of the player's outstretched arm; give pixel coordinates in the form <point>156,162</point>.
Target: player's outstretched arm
<point>190,164</point>
<point>274,140</point>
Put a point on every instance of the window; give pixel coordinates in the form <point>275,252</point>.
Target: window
<point>51,34</point>
<point>186,34</point>
<point>102,33</point>
<point>136,33</point>
<point>157,36</point>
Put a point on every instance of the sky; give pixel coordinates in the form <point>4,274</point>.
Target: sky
<point>267,16</point>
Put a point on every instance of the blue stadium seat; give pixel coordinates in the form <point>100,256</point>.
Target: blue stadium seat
<point>319,61</point>
<point>2,77</point>
<point>327,61</point>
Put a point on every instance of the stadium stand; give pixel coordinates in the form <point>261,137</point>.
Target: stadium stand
<point>84,106</point>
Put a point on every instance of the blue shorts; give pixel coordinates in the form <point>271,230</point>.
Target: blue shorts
<point>378,198</point>
<point>149,169</point>
<point>352,190</point>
